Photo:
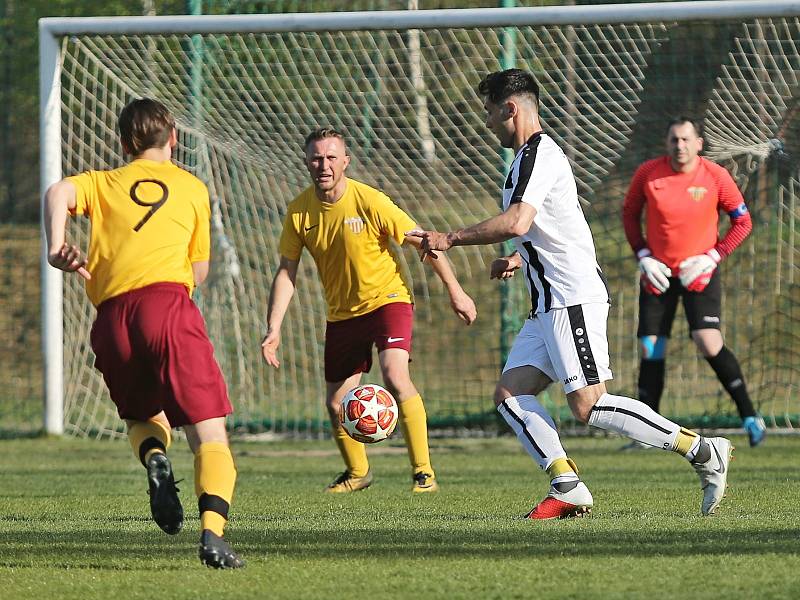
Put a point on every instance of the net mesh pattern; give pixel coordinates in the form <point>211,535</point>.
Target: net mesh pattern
<point>415,125</point>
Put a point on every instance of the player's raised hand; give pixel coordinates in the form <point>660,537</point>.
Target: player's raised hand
<point>269,347</point>
<point>463,306</point>
<point>504,267</point>
<point>69,259</point>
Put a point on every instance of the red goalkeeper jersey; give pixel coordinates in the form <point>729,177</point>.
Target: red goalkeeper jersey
<point>683,210</point>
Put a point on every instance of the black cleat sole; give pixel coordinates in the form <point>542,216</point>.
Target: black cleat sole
<point>215,552</point>
<point>165,505</point>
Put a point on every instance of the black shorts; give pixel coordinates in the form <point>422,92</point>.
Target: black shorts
<point>656,313</point>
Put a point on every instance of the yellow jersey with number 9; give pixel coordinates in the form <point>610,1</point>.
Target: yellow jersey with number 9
<point>150,221</point>
<point>349,241</point>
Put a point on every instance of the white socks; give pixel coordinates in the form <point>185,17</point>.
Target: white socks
<point>534,428</point>
<point>635,420</point>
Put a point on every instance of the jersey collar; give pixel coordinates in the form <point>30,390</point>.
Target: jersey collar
<point>529,141</point>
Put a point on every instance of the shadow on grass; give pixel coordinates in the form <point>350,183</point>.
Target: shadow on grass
<point>102,550</point>
<point>112,550</point>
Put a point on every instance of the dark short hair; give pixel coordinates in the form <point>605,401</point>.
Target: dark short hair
<point>497,87</point>
<point>322,133</point>
<point>681,119</point>
<point>145,123</point>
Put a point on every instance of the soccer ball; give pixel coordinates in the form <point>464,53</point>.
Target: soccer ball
<point>368,413</point>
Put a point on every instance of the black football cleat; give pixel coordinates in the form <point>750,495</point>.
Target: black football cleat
<point>165,505</point>
<point>215,552</point>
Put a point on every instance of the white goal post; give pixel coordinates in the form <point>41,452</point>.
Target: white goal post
<point>595,110</point>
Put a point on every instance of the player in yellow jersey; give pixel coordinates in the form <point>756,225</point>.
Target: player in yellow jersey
<point>346,226</point>
<point>149,247</point>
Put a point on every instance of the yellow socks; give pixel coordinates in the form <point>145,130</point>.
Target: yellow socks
<point>562,466</point>
<point>414,423</point>
<point>214,480</point>
<point>354,453</point>
<point>147,437</point>
<point>686,441</point>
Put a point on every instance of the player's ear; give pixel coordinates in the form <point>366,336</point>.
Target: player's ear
<point>699,143</point>
<point>173,138</point>
<point>510,109</point>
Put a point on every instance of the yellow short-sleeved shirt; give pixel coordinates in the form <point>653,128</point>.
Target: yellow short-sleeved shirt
<point>150,222</point>
<point>349,241</point>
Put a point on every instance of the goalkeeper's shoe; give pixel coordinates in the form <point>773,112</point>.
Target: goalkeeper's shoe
<point>165,505</point>
<point>215,552</point>
<point>346,483</point>
<point>564,500</point>
<point>713,473</point>
<point>756,430</point>
<point>424,483</point>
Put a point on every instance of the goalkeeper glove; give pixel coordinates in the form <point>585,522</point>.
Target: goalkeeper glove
<point>655,274</point>
<point>696,271</point>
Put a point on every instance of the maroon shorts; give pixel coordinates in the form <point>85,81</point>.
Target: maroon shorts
<point>154,353</point>
<point>348,344</point>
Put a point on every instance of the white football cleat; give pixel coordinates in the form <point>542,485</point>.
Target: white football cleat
<point>714,473</point>
<point>576,502</point>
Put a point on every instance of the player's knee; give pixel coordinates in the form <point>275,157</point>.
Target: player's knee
<point>332,404</point>
<point>582,411</point>
<point>500,394</point>
<point>582,401</point>
<point>653,347</point>
<point>395,387</point>
<point>398,382</point>
<point>708,341</point>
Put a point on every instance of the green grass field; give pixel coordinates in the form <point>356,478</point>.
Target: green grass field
<point>74,523</point>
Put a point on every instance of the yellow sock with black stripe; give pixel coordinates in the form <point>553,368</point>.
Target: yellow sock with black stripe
<point>354,453</point>
<point>147,437</point>
<point>562,467</point>
<point>686,443</point>
<point>214,480</point>
<point>414,424</point>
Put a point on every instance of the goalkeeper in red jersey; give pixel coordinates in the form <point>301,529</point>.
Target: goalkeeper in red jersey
<point>681,195</point>
<point>150,246</point>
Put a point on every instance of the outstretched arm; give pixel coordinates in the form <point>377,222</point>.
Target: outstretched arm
<point>58,201</point>
<point>515,221</point>
<point>279,297</point>
<point>460,301</point>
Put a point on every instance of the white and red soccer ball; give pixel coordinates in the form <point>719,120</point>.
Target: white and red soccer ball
<point>368,413</point>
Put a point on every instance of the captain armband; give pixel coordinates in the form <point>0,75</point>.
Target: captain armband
<point>739,211</point>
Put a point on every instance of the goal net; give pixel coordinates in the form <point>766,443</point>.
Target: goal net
<point>406,98</point>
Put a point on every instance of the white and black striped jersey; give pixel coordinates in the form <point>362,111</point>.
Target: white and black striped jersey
<point>559,261</point>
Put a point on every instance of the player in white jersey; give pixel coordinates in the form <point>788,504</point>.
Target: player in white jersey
<point>564,339</point>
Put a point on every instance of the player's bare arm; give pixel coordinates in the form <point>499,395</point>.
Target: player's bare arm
<point>460,301</point>
<point>200,271</point>
<point>516,221</point>
<point>504,267</point>
<point>283,285</point>
<point>59,200</point>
